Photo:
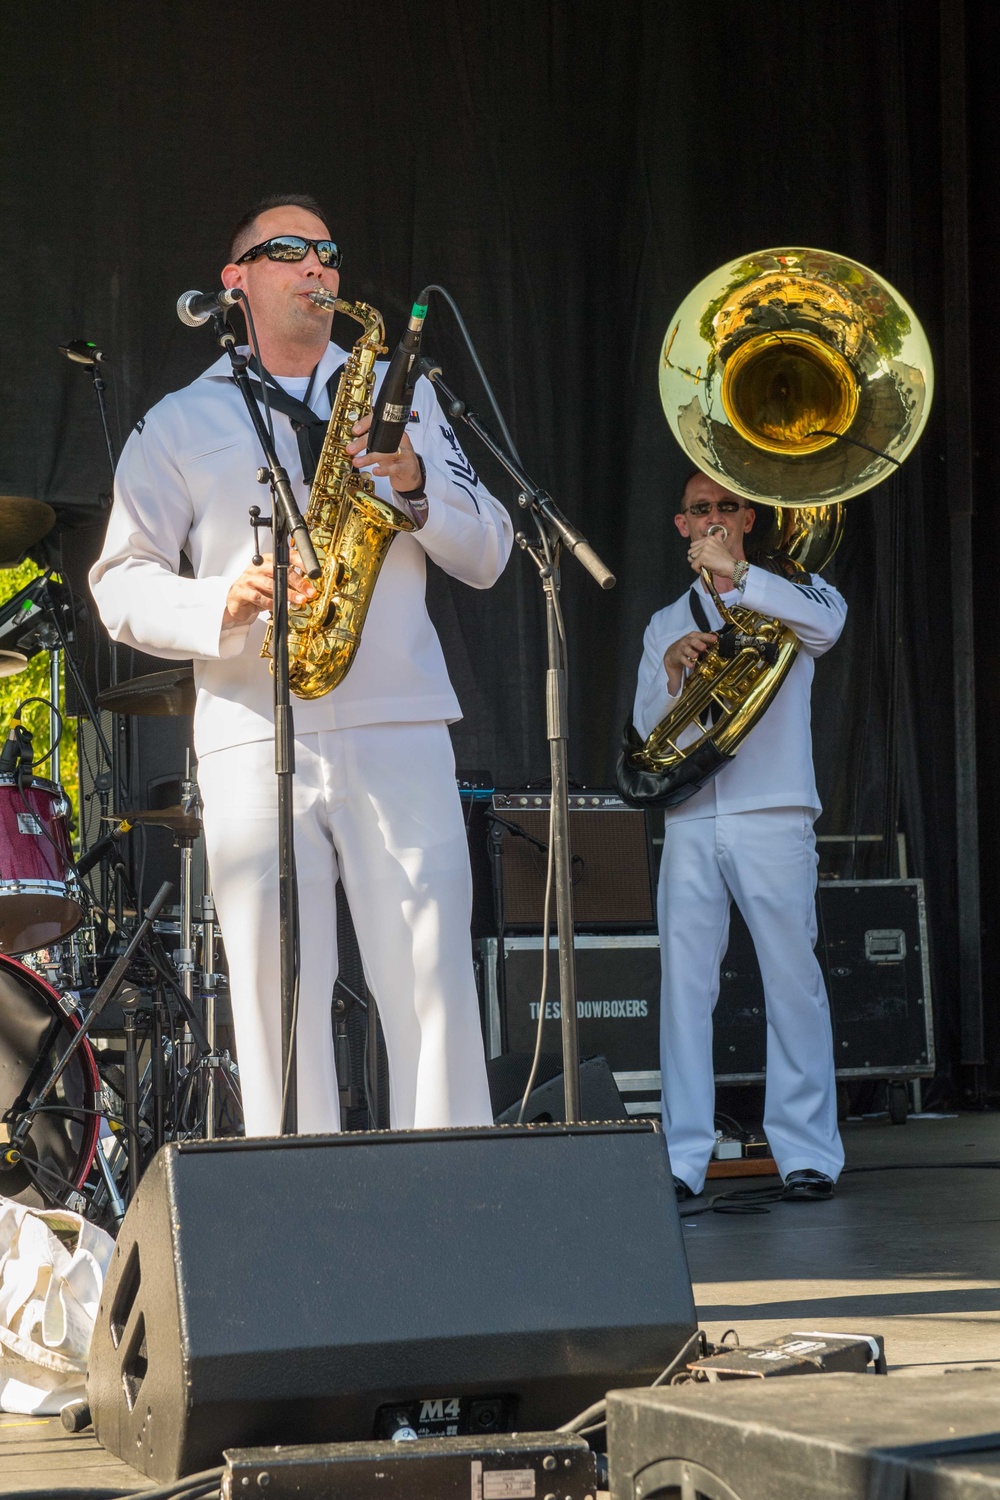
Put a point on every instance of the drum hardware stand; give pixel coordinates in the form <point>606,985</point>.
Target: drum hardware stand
<point>554,531</point>
<point>208,980</point>
<point>110,1185</point>
<point>158,1066</point>
<point>130,1104</point>
<point>286,524</point>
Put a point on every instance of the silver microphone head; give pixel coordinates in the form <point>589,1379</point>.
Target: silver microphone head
<point>195,308</point>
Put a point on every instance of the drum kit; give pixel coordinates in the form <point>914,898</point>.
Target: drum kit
<point>108,1011</point>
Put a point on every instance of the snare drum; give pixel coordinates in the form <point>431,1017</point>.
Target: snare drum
<point>39,897</point>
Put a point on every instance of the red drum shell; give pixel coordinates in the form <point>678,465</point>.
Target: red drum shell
<point>34,1031</point>
<point>38,894</point>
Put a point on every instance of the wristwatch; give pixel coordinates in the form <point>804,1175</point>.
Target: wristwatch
<point>740,571</point>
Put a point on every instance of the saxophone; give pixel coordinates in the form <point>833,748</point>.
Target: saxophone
<point>350,526</point>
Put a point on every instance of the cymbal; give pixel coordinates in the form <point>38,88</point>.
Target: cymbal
<point>169,692</point>
<point>12,662</point>
<point>23,522</point>
<point>175,819</point>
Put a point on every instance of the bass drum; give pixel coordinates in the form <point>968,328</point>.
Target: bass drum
<point>34,1031</point>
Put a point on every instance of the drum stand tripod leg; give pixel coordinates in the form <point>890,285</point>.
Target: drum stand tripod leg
<point>208,989</point>
<point>131,1102</point>
<point>110,1186</point>
<point>158,1069</point>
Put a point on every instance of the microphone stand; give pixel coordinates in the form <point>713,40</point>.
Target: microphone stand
<point>286,522</point>
<point>115,752</point>
<point>554,531</point>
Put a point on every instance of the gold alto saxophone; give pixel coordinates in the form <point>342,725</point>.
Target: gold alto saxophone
<point>350,526</point>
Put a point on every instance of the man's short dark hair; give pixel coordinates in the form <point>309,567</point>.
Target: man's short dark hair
<point>243,237</point>
<point>694,474</point>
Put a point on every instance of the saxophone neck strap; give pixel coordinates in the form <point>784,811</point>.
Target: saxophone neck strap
<point>309,429</point>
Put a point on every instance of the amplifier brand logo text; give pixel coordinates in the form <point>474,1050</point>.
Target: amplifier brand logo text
<point>595,1010</point>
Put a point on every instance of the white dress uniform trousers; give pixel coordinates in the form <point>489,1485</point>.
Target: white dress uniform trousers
<point>747,836</point>
<point>766,862</point>
<point>400,849</point>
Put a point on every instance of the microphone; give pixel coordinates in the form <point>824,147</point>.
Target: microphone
<point>18,750</point>
<point>83,352</point>
<point>103,846</point>
<point>195,308</point>
<point>392,407</point>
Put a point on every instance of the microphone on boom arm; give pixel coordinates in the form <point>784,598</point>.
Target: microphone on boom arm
<point>83,352</point>
<point>392,405</point>
<point>195,308</point>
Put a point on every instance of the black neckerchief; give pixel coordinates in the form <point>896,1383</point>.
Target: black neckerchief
<point>309,429</point>
<point>698,611</point>
<point>711,713</point>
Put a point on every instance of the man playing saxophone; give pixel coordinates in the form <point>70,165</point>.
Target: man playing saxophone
<point>375,796</point>
<point>747,836</point>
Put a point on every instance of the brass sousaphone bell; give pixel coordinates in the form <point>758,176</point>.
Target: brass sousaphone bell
<point>798,379</point>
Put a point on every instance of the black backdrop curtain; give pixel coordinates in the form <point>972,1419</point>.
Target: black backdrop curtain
<point>568,171</point>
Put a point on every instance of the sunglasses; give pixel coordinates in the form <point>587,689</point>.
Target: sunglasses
<point>294,247</point>
<point>705,507</point>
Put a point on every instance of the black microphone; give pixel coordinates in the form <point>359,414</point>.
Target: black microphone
<point>195,308</point>
<point>392,406</point>
<point>83,352</point>
<point>18,751</point>
<point>103,846</point>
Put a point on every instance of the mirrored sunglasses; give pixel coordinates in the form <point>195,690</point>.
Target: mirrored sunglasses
<point>294,247</point>
<point>724,507</point>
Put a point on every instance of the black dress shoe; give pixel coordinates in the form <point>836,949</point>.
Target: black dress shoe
<point>683,1191</point>
<point>806,1184</point>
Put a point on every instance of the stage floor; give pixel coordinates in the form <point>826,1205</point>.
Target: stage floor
<point>913,1254</point>
<point>911,1251</point>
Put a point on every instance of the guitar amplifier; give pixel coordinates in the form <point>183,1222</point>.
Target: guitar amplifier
<point>618,1004</point>
<point>612,872</point>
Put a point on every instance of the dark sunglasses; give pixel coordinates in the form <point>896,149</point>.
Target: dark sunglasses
<point>724,507</point>
<point>294,247</point>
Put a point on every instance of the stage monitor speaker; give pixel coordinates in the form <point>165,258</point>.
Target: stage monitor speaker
<point>821,1437</point>
<point>612,871</point>
<point>321,1288</point>
<point>508,1077</point>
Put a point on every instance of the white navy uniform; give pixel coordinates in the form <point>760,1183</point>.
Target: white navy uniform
<point>375,796</point>
<point>747,836</point>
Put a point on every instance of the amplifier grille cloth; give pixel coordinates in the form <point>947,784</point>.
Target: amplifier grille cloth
<point>611,874</point>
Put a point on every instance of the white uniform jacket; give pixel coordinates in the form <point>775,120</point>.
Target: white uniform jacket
<point>185,483</point>
<point>773,767</point>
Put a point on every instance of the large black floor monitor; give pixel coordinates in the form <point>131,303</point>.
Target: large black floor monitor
<point>332,1288</point>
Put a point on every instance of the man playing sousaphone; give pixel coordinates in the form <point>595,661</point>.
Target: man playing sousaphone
<point>746,835</point>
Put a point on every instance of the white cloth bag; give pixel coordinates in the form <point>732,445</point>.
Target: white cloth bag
<point>52,1268</point>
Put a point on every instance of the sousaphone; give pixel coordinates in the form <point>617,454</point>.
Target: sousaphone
<point>797,379</point>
